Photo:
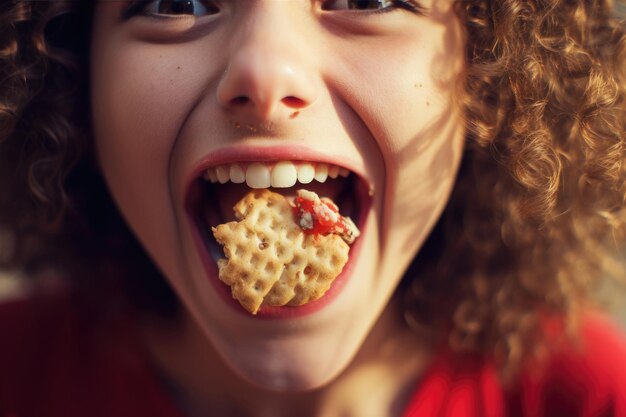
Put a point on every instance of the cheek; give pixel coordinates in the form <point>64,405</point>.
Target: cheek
<point>137,108</point>
<point>136,111</point>
<point>419,128</point>
<point>405,83</point>
<point>423,134</point>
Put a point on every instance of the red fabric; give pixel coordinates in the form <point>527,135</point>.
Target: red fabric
<point>583,381</point>
<point>55,363</point>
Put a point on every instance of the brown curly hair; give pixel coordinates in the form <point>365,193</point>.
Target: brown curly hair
<point>534,218</point>
<point>55,211</point>
<point>538,210</point>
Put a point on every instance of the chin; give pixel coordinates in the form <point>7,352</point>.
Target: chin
<point>289,366</point>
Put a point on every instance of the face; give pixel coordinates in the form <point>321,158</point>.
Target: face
<point>184,86</point>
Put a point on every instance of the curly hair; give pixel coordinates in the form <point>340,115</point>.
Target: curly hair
<point>55,211</point>
<point>538,210</point>
<point>528,233</point>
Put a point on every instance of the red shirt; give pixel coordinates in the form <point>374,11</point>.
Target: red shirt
<point>54,363</point>
<point>587,381</point>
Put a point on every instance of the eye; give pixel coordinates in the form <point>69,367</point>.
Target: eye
<point>357,4</point>
<point>173,7</point>
<point>371,5</point>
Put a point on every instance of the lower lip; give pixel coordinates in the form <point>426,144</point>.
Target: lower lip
<point>286,312</point>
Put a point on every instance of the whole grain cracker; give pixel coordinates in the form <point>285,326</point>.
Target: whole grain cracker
<point>269,260</point>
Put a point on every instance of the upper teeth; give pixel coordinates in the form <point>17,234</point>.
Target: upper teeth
<point>281,174</point>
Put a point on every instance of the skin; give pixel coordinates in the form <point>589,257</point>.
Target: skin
<point>377,89</point>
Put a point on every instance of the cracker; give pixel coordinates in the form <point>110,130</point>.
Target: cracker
<point>270,260</point>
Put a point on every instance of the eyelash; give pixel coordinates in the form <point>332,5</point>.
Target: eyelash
<point>412,6</point>
<point>137,7</point>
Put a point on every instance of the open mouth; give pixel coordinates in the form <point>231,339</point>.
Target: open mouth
<point>219,187</point>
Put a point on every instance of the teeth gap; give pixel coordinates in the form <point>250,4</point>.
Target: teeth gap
<point>282,174</point>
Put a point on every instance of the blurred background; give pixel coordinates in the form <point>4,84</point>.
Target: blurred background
<point>620,8</point>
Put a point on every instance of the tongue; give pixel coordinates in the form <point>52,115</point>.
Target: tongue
<point>224,196</point>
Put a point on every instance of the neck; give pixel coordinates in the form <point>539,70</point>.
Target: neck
<point>204,385</point>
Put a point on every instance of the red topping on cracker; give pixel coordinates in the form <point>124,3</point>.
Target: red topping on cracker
<point>320,216</point>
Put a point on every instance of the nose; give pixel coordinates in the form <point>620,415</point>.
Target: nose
<point>268,75</point>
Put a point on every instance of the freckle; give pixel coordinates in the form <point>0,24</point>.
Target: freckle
<point>178,67</point>
<point>428,103</point>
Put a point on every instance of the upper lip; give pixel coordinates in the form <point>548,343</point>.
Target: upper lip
<point>271,154</point>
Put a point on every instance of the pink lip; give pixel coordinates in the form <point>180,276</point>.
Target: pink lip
<point>267,154</point>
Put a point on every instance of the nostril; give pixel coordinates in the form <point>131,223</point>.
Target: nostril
<point>240,101</point>
<point>294,102</point>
